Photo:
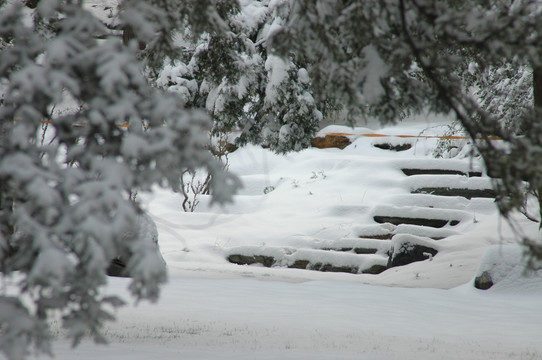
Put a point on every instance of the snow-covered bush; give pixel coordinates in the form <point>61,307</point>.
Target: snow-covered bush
<point>505,91</point>
<point>64,205</point>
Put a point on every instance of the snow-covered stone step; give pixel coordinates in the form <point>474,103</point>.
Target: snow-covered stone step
<point>439,167</point>
<point>466,193</point>
<point>386,231</point>
<point>393,143</point>
<point>374,231</point>
<point>451,185</point>
<point>358,246</point>
<point>310,259</point>
<point>431,201</point>
<point>413,215</point>
<point>398,220</point>
<point>417,171</point>
<point>447,181</point>
<point>425,231</point>
<point>392,147</point>
<point>475,205</point>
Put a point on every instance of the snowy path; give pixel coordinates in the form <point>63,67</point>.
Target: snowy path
<point>255,319</point>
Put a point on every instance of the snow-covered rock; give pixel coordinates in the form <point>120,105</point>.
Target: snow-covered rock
<point>505,267</point>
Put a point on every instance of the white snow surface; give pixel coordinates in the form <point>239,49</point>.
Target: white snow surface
<point>211,309</point>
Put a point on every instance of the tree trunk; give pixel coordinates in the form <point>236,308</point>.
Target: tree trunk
<point>6,200</point>
<point>537,88</point>
<point>537,104</point>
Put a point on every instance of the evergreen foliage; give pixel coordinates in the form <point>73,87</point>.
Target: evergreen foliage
<point>65,209</point>
<point>244,87</point>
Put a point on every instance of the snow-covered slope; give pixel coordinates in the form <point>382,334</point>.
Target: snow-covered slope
<point>316,198</point>
<point>213,309</point>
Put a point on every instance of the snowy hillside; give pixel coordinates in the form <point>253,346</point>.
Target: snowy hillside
<point>302,206</point>
<point>293,206</point>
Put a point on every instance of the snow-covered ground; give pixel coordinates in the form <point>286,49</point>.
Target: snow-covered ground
<point>212,309</point>
<point>209,318</point>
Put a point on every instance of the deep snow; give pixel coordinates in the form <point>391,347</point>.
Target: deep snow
<point>211,309</point>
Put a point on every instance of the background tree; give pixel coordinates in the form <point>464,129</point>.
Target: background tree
<point>244,87</point>
<point>503,90</point>
<point>65,209</point>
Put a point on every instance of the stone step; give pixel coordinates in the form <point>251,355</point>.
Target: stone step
<point>377,237</point>
<point>374,231</point>
<point>435,167</point>
<point>430,201</point>
<point>358,245</point>
<point>400,220</point>
<point>425,231</point>
<point>403,249</point>
<point>438,171</point>
<point>451,185</point>
<point>393,147</point>
<point>413,215</point>
<point>386,231</point>
<point>460,192</point>
<point>309,259</point>
<point>448,181</point>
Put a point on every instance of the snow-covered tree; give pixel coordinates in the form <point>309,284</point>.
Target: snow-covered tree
<point>65,209</point>
<point>505,91</point>
<point>384,58</point>
<point>244,87</point>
